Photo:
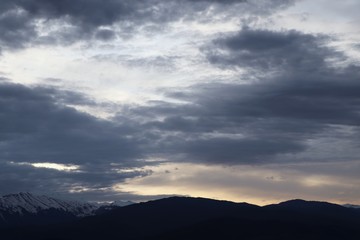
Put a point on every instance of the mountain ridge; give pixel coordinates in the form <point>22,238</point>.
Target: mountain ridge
<point>24,208</point>
<point>202,218</point>
<point>25,202</point>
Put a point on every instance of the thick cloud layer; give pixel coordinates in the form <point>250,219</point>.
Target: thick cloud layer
<point>37,127</point>
<point>298,97</point>
<point>225,123</point>
<point>94,179</point>
<point>27,22</point>
<point>269,51</point>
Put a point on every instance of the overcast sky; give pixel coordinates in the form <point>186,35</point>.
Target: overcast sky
<point>244,100</point>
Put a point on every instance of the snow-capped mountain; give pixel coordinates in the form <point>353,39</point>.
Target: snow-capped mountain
<point>25,203</point>
<point>28,209</point>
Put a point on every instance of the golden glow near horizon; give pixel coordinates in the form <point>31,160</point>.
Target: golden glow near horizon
<point>240,184</point>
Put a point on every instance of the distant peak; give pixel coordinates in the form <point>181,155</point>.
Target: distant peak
<point>25,202</point>
<point>299,204</point>
<point>302,201</point>
<point>292,201</point>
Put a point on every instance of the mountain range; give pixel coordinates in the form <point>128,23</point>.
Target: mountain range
<point>200,218</point>
<point>23,209</point>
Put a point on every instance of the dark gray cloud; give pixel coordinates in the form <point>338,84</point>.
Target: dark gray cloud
<point>219,1</point>
<point>19,19</point>
<point>36,126</point>
<point>105,34</point>
<point>24,22</point>
<point>16,28</point>
<point>222,150</point>
<point>89,182</point>
<point>270,51</point>
<point>297,97</point>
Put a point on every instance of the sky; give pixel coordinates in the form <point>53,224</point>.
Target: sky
<point>244,100</point>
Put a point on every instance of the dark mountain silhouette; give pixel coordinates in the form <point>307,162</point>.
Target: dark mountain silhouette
<point>199,218</point>
<point>312,209</point>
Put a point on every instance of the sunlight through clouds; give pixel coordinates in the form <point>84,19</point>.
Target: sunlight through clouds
<point>52,166</point>
<point>252,100</point>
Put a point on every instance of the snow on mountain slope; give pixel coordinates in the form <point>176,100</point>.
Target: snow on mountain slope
<point>22,203</point>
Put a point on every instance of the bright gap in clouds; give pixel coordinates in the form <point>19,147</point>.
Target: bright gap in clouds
<point>57,166</point>
<point>53,166</point>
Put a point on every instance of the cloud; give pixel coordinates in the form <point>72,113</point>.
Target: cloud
<point>295,103</point>
<point>39,133</point>
<point>93,182</point>
<point>105,34</point>
<point>265,50</point>
<point>276,118</point>
<point>36,126</point>
<point>298,103</point>
<point>17,29</point>
<point>234,151</point>
<point>24,23</point>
